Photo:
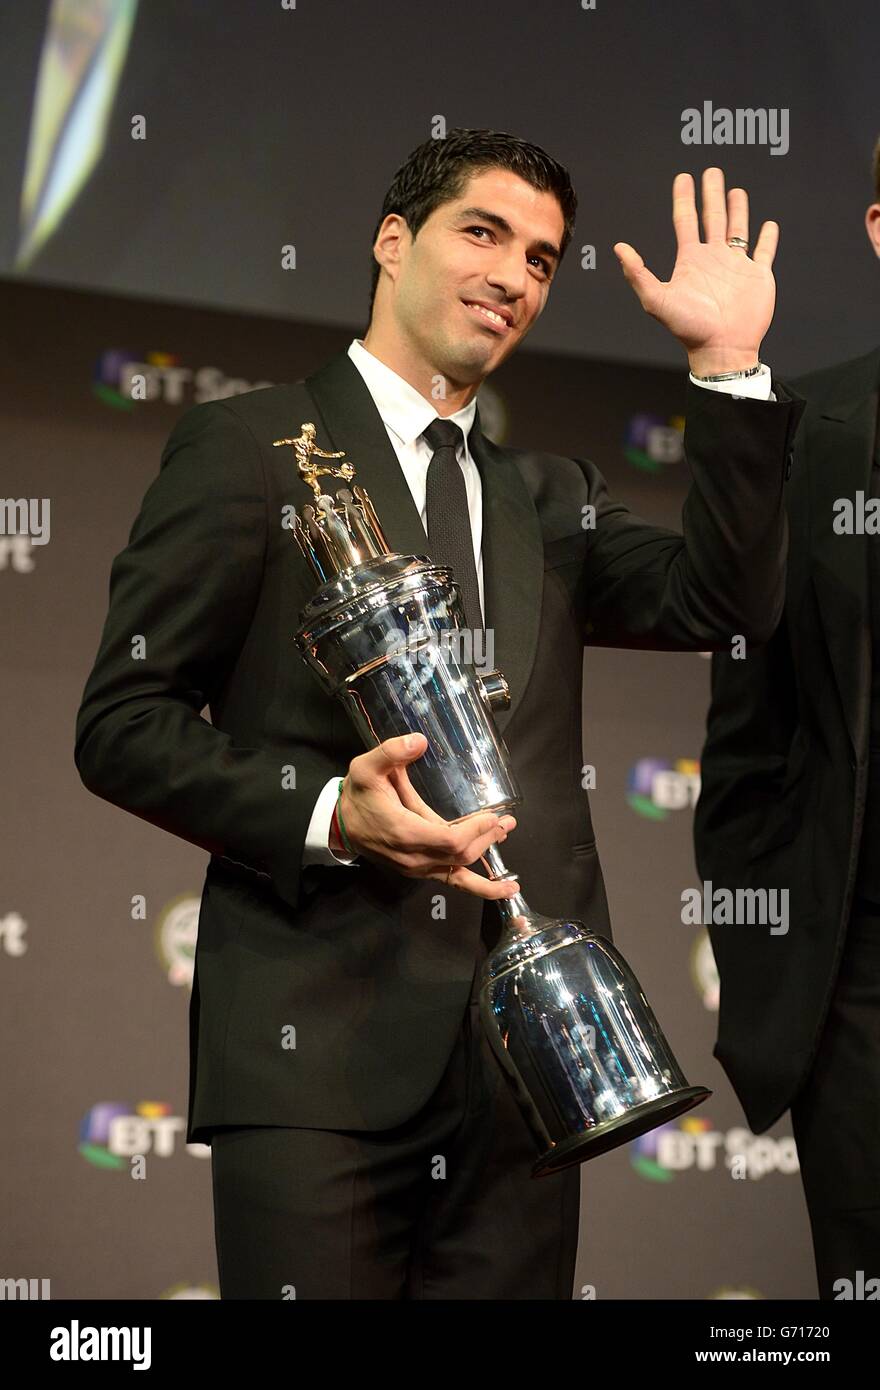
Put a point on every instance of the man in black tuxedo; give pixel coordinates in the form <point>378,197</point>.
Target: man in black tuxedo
<point>790,800</point>
<point>383,1155</point>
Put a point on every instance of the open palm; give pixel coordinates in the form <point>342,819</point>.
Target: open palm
<point>719,300</point>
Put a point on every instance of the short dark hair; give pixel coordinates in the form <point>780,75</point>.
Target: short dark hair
<point>876,170</point>
<point>436,172</point>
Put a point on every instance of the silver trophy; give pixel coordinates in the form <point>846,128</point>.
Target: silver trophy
<point>565,1015</point>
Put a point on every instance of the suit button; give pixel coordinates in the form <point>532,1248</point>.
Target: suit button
<point>788,462</point>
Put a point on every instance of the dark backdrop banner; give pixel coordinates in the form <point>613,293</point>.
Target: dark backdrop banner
<point>98,910</point>
<point>236,130</point>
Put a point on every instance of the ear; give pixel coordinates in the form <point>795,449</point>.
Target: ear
<point>872,227</point>
<point>391,239</point>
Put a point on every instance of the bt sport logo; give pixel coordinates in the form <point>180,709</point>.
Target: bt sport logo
<point>655,786</point>
<point>652,444</point>
<point>112,1133</point>
<point>124,378</point>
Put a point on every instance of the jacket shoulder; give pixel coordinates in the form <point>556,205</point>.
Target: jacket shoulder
<point>536,466</point>
<point>260,414</point>
<point>256,410</point>
<point>265,403</point>
<point>856,376</point>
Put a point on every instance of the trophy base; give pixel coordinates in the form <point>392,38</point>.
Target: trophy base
<point>620,1130</point>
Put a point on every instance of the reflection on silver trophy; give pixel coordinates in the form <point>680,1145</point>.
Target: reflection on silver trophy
<point>564,1013</point>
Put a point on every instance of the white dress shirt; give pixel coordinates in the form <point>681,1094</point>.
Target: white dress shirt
<point>406,414</point>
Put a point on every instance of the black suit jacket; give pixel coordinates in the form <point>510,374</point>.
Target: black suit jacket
<point>353,959</point>
<point>785,760</point>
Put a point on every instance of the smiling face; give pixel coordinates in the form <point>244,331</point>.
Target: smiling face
<point>497,245</point>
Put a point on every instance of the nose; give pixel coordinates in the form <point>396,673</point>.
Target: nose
<point>509,273</point>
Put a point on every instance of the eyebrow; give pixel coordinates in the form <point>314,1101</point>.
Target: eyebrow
<point>503,225</point>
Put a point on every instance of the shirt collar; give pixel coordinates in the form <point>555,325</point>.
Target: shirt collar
<point>402,408</point>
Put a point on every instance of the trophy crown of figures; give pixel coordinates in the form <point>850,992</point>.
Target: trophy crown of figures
<point>336,533</point>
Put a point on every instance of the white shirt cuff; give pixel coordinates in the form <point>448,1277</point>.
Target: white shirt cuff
<point>758,387</point>
<point>316,849</point>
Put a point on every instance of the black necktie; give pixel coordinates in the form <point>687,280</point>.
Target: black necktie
<point>449,524</point>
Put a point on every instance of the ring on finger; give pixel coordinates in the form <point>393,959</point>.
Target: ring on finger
<point>739,242</point>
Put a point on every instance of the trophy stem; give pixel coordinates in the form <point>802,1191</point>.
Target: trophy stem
<point>516,915</point>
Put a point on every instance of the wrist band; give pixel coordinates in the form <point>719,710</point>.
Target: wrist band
<point>335,833</point>
<point>340,822</point>
<point>731,376</point>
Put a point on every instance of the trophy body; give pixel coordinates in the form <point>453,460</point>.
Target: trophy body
<point>382,639</point>
<point>566,1017</point>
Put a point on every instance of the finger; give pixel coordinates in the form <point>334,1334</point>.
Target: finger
<point>394,752</point>
<point>765,248</point>
<point>470,827</point>
<point>738,214</point>
<point>473,848</point>
<point>646,285</point>
<point>444,841</point>
<point>684,211</point>
<point>469,882</point>
<point>476,848</point>
<point>714,207</point>
<point>428,846</point>
<point>409,797</point>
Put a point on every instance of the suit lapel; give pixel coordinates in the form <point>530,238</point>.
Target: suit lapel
<point>839,460</point>
<point>351,421</point>
<point>513,565</point>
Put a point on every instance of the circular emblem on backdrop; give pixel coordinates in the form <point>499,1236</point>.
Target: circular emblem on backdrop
<point>177,928</point>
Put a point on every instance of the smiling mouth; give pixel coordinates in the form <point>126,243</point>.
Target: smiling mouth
<point>486,316</point>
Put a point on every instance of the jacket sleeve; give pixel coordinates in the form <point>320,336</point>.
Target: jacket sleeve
<point>647,586</point>
<point>182,596</point>
<point>752,719</point>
